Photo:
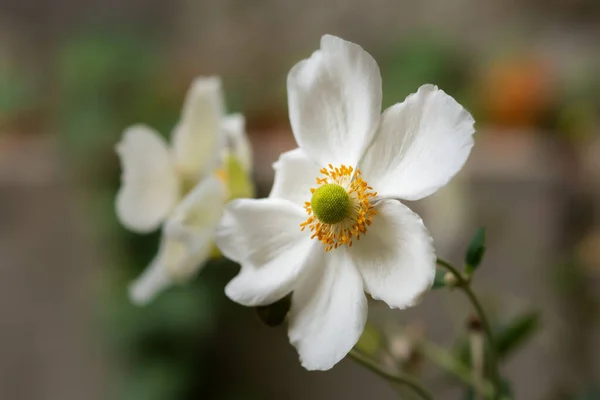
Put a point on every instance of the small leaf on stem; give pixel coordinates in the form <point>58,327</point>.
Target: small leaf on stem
<point>475,252</point>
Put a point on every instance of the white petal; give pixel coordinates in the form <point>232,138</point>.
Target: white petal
<point>395,257</point>
<point>420,145</point>
<point>334,100</point>
<point>149,183</point>
<point>234,126</point>
<point>190,231</point>
<point>264,237</point>
<point>329,310</point>
<point>197,139</point>
<point>152,281</point>
<point>295,175</point>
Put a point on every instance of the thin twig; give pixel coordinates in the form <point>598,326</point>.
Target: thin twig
<point>476,343</point>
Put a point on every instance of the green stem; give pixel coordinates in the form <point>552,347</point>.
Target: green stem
<point>403,380</point>
<point>453,270</point>
<point>464,284</point>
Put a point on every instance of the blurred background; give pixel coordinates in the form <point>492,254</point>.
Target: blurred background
<point>74,74</point>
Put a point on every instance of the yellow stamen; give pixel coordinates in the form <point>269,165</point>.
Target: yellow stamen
<point>221,175</point>
<point>352,221</point>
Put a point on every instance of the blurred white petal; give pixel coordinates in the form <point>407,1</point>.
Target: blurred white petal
<point>190,231</point>
<point>151,282</point>
<point>149,183</point>
<point>197,139</point>
<point>234,126</point>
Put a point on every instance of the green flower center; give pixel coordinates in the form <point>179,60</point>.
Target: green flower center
<point>330,203</point>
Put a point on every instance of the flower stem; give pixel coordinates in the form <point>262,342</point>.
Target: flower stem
<point>476,343</point>
<point>452,269</point>
<point>399,379</point>
<point>464,284</point>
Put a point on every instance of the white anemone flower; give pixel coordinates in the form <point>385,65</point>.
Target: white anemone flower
<point>181,187</point>
<point>342,184</point>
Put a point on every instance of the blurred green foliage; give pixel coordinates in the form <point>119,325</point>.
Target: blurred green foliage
<point>508,336</point>
<point>513,334</point>
<point>420,59</point>
<point>106,82</point>
<point>16,91</point>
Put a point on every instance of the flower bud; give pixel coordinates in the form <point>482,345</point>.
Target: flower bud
<point>450,279</point>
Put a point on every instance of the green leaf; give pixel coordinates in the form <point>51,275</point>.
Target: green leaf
<point>509,337</point>
<point>439,281</point>
<point>475,251</point>
<point>274,314</point>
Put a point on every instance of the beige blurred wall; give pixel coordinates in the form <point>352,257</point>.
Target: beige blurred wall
<point>50,269</point>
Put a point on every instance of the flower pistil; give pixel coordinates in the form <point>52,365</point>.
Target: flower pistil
<point>340,209</point>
